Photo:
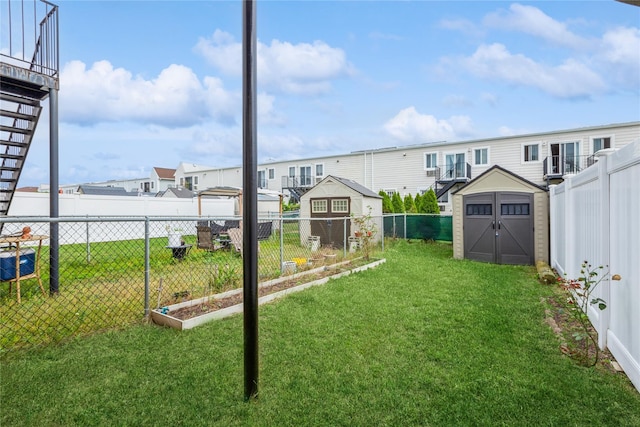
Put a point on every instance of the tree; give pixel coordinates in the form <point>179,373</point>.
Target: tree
<point>398,204</point>
<point>417,201</point>
<point>387,206</point>
<point>430,202</point>
<point>409,205</point>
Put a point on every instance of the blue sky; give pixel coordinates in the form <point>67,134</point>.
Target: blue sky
<point>154,83</point>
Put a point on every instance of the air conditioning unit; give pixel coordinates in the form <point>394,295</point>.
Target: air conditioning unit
<point>431,172</point>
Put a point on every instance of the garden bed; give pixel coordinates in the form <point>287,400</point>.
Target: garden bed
<point>189,314</point>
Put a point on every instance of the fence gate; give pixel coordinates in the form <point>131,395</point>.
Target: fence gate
<point>498,227</point>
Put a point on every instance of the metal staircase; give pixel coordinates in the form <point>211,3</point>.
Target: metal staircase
<point>28,71</point>
<point>23,113</point>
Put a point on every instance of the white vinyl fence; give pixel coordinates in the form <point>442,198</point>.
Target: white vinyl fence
<point>595,217</point>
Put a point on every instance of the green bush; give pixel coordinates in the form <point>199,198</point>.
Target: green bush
<point>398,204</point>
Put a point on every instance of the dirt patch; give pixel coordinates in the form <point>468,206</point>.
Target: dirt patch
<point>564,325</point>
<point>214,304</point>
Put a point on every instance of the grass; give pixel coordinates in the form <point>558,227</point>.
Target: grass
<point>421,340</point>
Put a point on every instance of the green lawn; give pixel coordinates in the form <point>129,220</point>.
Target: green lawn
<point>421,340</point>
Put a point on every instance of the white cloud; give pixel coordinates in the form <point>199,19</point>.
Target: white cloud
<point>104,93</point>
<point>463,25</point>
<point>531,20</point>
<point>409,126</point>
<point>570,79</point>
<point>176,98</point>
<point>303,68</point>
<point>619,55</point>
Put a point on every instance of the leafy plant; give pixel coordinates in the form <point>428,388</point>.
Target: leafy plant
<point>398,204</point>
<point>577,303</point>
<point>368,229</point>
<point>409,204</point>
<point>430,203</point>
<point>387,206</point>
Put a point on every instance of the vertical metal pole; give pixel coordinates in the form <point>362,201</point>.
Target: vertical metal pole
<point>54,237</point>
<point>147,266</point>
<point>344,238</point>
<point>88,241</point>
<point>405,225</point>
<point>281,241</point>
<point>250,192</point>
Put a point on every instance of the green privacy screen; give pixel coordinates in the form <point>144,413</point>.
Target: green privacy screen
<point>428,227</point>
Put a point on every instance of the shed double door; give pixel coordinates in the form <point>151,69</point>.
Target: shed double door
<point>499,227</point>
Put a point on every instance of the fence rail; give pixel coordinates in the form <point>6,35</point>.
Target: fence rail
<point>594,218</point>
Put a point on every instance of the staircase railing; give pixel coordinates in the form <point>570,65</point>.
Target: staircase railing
<point>39,53</point>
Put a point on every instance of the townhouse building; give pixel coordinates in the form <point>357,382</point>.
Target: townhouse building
<point>541,158</point>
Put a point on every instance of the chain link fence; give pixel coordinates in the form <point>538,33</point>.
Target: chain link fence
<point>419,226</point>
<point>112,271</point>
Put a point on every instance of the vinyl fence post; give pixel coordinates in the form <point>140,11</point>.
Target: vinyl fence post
<point>146,266</point>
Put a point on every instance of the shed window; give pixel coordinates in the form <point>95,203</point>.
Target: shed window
<point>319,206</point>
<point>514,209</point>
<point>479,209</point>
<point>340,206</point>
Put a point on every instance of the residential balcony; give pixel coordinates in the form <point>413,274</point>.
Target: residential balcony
<point>555,167</point>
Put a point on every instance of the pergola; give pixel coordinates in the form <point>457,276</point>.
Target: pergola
<point>229,192</point>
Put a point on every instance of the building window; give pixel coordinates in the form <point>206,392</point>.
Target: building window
<point>320,170</point>
<point>152,185</point>
<point>319,206</point>
<point>305,176</point>
<point>601,144</point>
<point>272,173</point>
<point>430,160</point>
<point>292,171</point>
<point>262,182</point>
<point>389,191</point>
<point>340,206</point>
<point>531,153</point>
<point>181,181</point>
<point>474,209</point>
<point>481,156</point>
<point>188,183</point>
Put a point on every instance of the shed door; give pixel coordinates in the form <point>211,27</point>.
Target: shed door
<point>498,227</point>
<point>479,227</point>
<point>514,213</point>
<point>328,220</point>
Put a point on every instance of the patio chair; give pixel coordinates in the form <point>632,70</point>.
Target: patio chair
<point>205,238</point>
<point>235,235</point>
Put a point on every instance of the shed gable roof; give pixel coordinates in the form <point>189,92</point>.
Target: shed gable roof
<point>493,170</point>
<point>359,188</point>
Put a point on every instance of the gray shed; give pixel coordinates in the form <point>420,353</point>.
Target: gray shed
<point>329,202</point>
<point>502,218</point>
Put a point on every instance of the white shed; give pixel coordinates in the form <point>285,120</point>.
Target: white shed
<point>330,204</point>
